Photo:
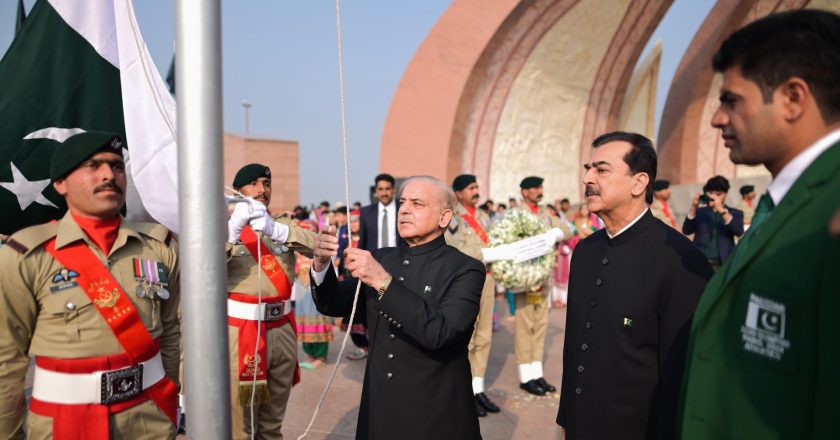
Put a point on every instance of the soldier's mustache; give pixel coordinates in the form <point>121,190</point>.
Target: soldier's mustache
<point>108,186</point>
<point>476,197</point>
<point>591,191</point>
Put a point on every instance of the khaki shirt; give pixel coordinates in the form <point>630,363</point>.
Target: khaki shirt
<point>555,222</point>
<point>37,318</point>
<point>658,211</point>
<point>461,235</point>
<point>748,211</point>
<point>243,269</point>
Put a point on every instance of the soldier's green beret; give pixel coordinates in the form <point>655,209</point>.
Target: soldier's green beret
<point>462,181</point>
<point>531,182</point>
<point>746,189</point>
<point>659,185</point>
<point>250,173</point>
<point>78,148</point>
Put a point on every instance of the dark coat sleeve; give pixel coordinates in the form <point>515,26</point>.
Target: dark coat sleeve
<point>334,298</point>
<point>363,226</point>
<point>686,279</point>
<point>436,326</point>
<point>690,224</point>
<point>736,226</point>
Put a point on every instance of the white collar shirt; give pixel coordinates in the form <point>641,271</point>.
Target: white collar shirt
<point>780,186</point>
<point>629,225</point>
<point>391,208</point>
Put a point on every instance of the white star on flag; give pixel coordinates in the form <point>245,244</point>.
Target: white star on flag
<point>27,192</point>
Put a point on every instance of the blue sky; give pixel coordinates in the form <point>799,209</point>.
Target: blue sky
<point>282,57</point>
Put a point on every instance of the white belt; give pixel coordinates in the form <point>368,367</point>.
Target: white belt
<point>107,386</point>
<point>258,312</point>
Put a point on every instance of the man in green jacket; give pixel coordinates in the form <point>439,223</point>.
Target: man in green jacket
<point>763,354</point>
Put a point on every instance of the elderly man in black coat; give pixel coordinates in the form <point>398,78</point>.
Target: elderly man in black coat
<point>421,305</point>
<point>633,289</point>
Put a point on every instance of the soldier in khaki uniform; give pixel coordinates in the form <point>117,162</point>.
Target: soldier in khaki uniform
<point>276,359</point>
<point>746,204</point>
<point>532,307</point>
<point>467,232</point>
<point>659,207</point>
<point>93,298</point>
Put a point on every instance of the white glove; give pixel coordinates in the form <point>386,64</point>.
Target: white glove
<point>278,232</point>
<point>244,211</point>
<point>557,233</point>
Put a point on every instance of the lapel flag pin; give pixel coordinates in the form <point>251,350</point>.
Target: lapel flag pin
<point>628,322</point>
<point>427,289</point>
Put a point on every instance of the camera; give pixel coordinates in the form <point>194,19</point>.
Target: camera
<point>705,199</point>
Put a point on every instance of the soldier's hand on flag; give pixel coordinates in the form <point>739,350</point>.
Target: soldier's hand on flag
<point>276,231</point>
<point>326,247</point>
<point>244,212</point>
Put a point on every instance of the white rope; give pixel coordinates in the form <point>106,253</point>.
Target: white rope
<point>259,322</point>
<point>349,232</point>
<point>259,319</point>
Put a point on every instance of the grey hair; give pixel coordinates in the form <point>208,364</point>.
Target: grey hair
<point>445,195</point>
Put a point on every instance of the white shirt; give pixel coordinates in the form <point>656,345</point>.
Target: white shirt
<point>319,276</point>
<point>629,225</point>
<point>392,224</point>
<point>780,186</point>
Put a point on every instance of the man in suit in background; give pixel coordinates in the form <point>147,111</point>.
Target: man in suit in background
<point>763,352</point>
<point>379,220</point>
<point>714,225</point>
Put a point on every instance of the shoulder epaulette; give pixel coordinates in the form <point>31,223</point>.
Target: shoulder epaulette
<point>154,231</point>
<point>453,225</point>
<point>30,238</point>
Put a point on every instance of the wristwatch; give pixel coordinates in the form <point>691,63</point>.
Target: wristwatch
<point>384,286</point>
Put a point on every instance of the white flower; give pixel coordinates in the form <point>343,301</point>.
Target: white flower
<point>518,224</point>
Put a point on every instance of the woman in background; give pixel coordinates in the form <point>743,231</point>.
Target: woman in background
<point>314,330</point>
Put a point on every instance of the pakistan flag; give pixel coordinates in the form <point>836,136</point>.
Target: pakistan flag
<point>80,65</point>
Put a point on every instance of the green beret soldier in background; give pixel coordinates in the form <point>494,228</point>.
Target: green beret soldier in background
<point>746,203</point>
<point>252,231</point>
<point>659,207</point>
<point>468,232</point>
<point>532,307</point>
<point>93,298</point>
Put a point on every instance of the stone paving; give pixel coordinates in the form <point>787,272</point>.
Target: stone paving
<point>523,415</point>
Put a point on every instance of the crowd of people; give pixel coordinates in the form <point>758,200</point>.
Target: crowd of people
<point>728,334</point>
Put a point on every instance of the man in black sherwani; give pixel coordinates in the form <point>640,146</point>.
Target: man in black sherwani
<point>421,305</point>
<point>633,289</point>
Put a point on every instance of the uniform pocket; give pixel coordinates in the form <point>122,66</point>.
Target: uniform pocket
<point>73,310</point>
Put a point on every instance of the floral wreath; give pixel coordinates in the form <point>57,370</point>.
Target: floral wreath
<point>518,224</point>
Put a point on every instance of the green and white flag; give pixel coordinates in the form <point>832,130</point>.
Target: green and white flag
<point>80,65</point>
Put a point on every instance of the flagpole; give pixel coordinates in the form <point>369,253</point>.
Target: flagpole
<point>202,262</point>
